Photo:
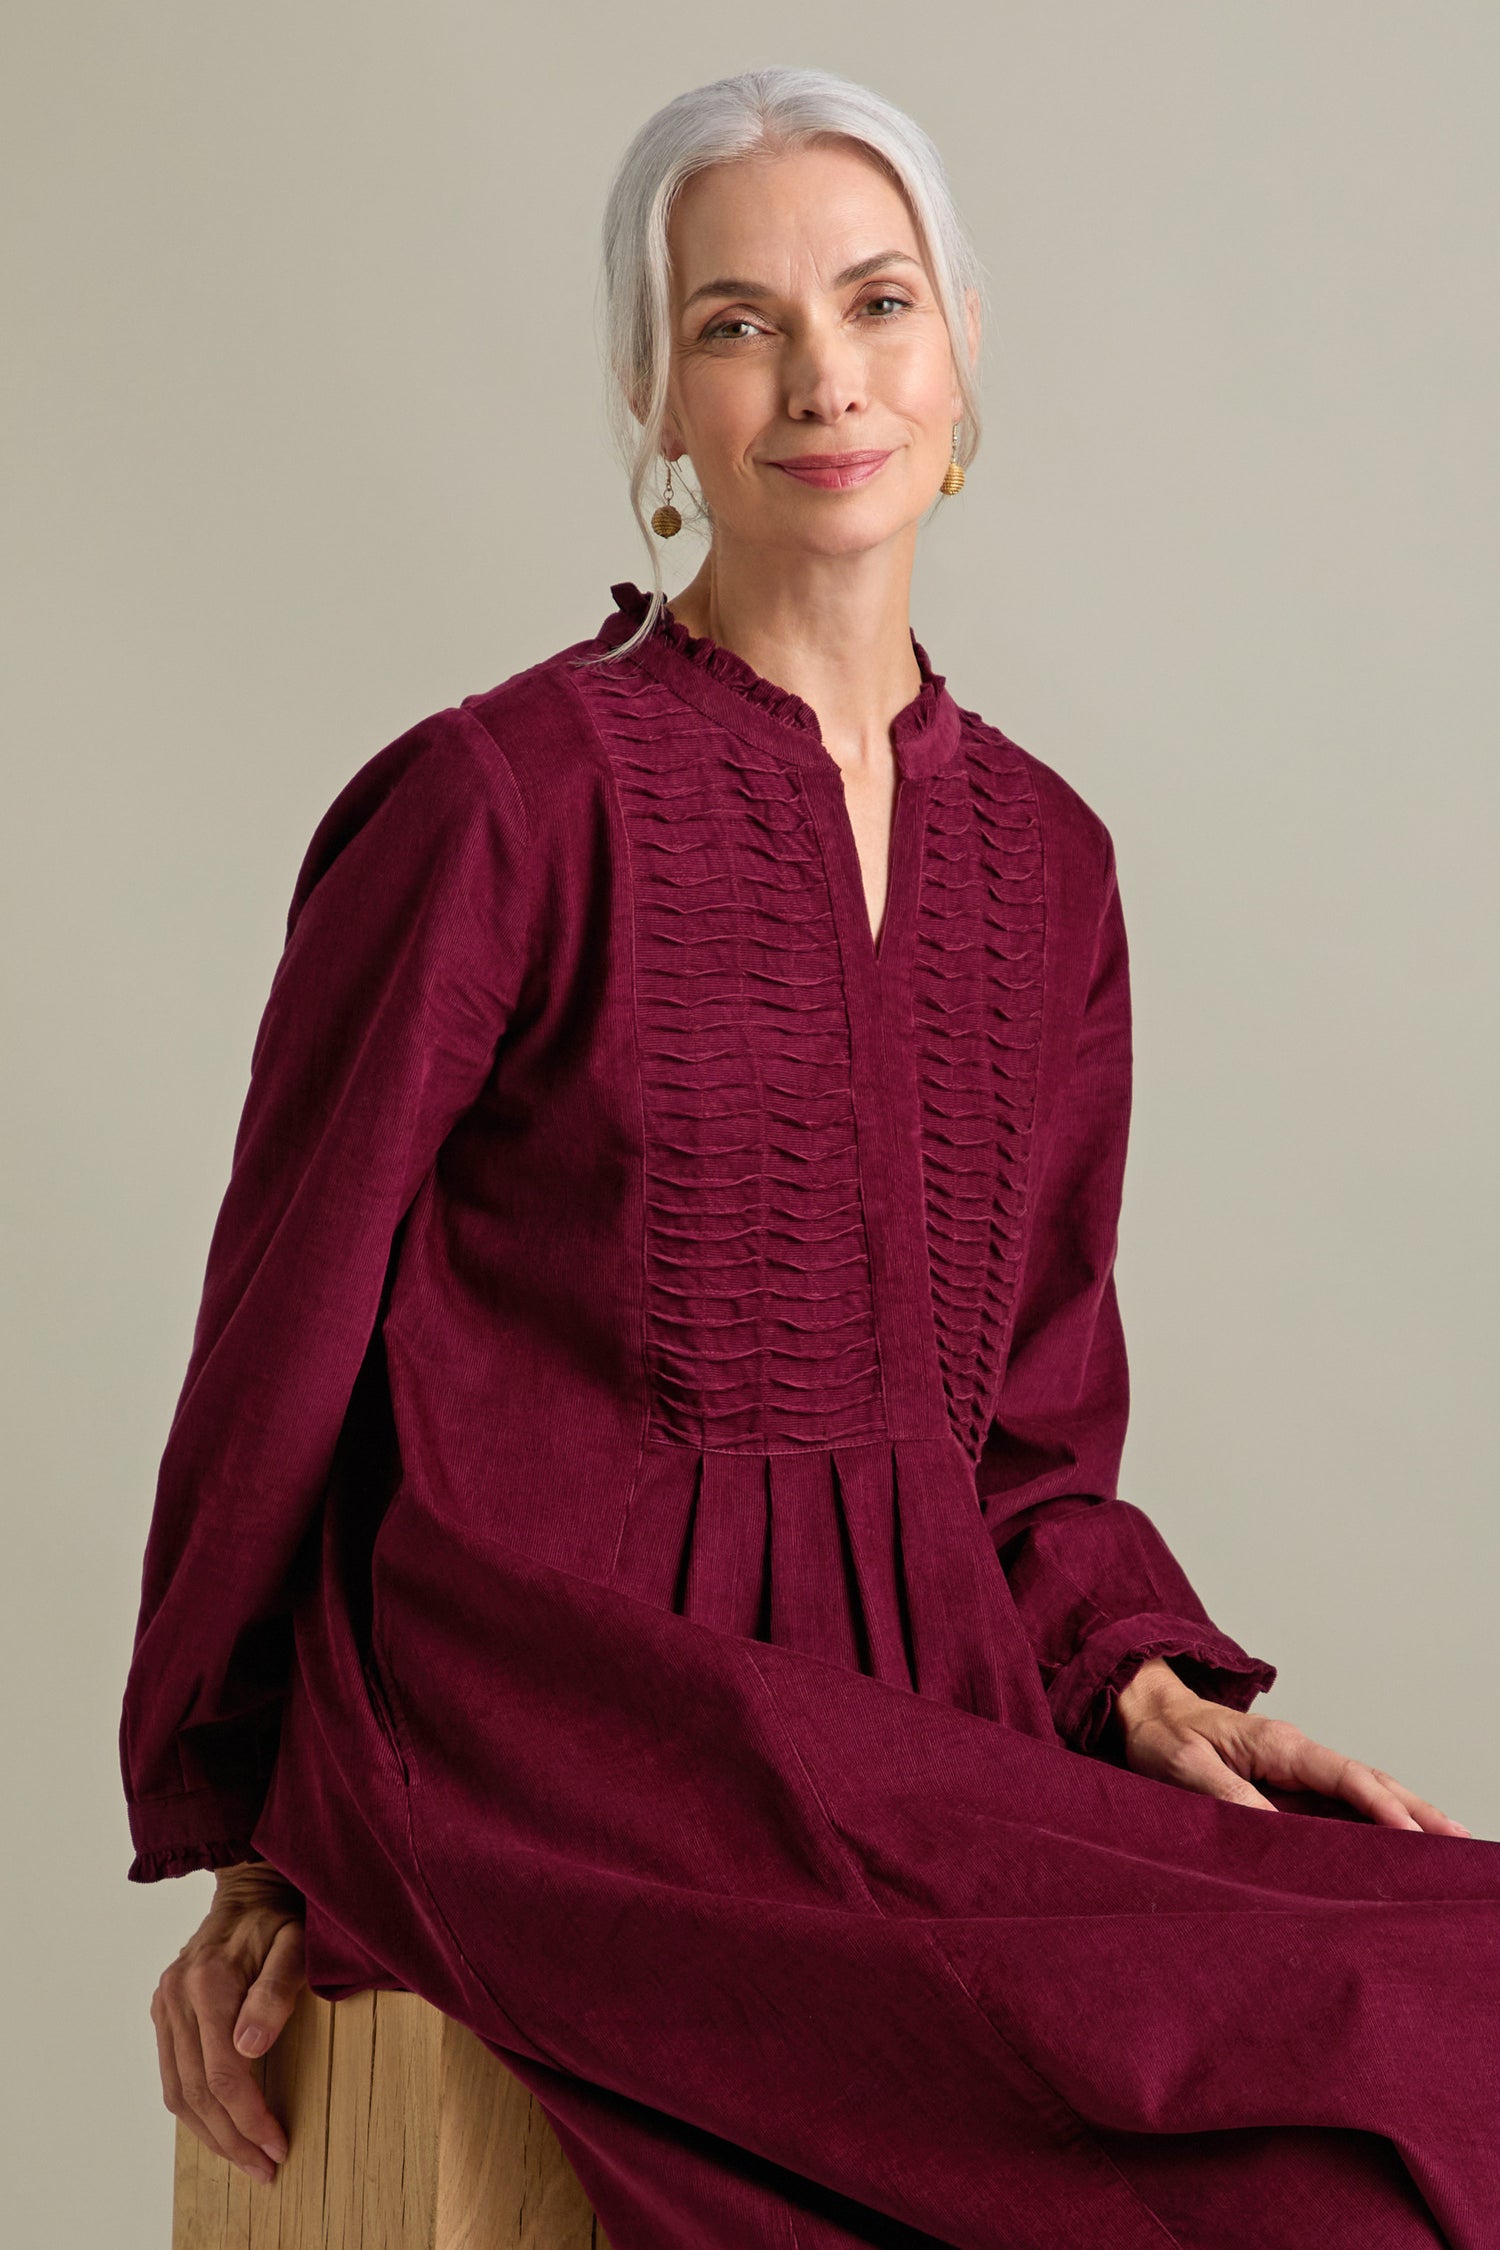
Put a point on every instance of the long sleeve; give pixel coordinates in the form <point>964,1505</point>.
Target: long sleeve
<point>1097,1587</point>
<point>405,946</point>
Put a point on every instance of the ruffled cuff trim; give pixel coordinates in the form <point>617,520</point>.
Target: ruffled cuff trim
<point>195,1828</point>
<point>1082,1694</point>
<point>184,1859</point>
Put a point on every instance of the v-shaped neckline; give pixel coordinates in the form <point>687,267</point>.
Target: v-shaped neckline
<point>902,810</point>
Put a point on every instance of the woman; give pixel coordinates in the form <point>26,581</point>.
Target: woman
<point>638,1557</point>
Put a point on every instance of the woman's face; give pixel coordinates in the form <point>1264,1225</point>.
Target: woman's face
<point>806,336</point>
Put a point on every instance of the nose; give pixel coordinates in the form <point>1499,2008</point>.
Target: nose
<point>825,373</point>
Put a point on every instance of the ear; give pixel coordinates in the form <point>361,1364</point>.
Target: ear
<point>669,427</point>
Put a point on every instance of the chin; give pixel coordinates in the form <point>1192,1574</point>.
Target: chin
<point>851,530</point>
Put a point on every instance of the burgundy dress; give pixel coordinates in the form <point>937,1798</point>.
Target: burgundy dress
<point>639,1540</point>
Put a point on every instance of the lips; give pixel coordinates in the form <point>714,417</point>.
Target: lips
<point>833,472</point>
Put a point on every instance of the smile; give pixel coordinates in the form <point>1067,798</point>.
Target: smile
<point>834,472</point>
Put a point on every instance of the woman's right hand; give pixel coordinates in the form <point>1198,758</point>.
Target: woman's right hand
<point>222,2002</point>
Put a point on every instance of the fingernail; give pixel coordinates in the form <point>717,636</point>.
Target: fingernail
<point>1458,1824</point>
<point>261,2172</point>
<point>275,2149</point>
<point>252,2041</point>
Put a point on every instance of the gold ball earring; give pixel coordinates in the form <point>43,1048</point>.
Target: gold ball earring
<point>667,522</point>
<point>953,475</point>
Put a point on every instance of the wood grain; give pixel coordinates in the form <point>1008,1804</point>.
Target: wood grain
<point>404,2132</point>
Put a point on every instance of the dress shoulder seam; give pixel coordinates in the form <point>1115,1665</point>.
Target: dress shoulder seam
<point>494,748</point>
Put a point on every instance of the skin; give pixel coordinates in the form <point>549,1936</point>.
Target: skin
<point>812,588</point>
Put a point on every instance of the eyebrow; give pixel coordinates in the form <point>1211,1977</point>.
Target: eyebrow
<point>728,286</point>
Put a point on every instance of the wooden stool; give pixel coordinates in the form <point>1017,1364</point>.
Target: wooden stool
<point>405,2133</point>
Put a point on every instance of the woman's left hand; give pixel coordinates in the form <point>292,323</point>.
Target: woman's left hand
<point>1175,1735</point>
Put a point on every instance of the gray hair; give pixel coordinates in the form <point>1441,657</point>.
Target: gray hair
<point>716,124</point>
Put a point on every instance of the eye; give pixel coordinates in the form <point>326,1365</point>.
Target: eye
<point>902,304</point>
<point>736,320</point>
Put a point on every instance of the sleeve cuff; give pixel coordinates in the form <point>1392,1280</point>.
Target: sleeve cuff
<point>1082,1693</point>
<point>204,1828</point>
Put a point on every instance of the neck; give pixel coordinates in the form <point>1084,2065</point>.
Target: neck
<point>835,630</point>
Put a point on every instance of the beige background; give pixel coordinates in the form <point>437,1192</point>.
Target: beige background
<point>307,441</point>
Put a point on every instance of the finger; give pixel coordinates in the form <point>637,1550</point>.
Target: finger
<point>192,2123</point>
<point>203,2111</point>
<point>1387,1801</point>
<point>1313,1765</point>
<point>166,2059</point>
<point>273,1996</point>
<point>230,2077</point>
<point>175,2038</point>
<point>1426,1815</point>
<point>1193,1763</point>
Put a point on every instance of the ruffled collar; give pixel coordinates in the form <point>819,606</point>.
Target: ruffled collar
<point>925,733</point>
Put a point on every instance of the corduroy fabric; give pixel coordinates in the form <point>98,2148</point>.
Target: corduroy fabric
<point>640,1540</point>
